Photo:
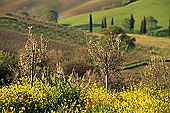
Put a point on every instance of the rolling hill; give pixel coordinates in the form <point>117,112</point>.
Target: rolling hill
<point>159,9</point>
<point>14,28</point>
<point>65,8</point>
<point>14,31</point>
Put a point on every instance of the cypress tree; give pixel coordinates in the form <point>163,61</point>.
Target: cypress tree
<point>141,27</point>
<point>102,26</point>
<point>169,28</point>
<point>112,21</point>
<point>91,24</point>
<point>144,25</point>
<point>132,22</point>
<point>105,23</point>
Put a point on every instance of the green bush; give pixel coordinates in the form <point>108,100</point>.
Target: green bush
<point>50,15</point>
<point>6,60</point>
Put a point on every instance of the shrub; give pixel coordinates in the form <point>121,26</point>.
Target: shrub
<point>151,23</point>
<point>63,95</point>
<point>156,73</point>
<point>80,62</point>
<point>125,24</point>
<point>50,15</point>
<point>7,60</point>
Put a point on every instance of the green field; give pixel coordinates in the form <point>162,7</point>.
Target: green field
<point>159,9</point>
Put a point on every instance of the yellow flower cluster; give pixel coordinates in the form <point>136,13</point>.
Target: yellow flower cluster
<point>19,97</point>
<point>134,99</point>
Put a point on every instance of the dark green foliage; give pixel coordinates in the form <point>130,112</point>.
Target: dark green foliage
<point>151,23</point>
<point>102,26</point>
<point>143,26</point>
<point>112,22</point>
<point>91,24</point>
<point>105,23</point>
<point>126,2</point>
<point>125,24</point>
<point>125,39</point>
<point>50,15</point>
<point>169,28</point>
<point>132,22</point>
<point>6,60</point>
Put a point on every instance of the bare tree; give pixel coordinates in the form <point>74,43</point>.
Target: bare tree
<point>106,54</point>
<point>33,60</point>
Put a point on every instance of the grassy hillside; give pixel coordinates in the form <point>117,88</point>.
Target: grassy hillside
<point>137,59</point>
<point>51,31</point>
<point>36,6</point>
<point>13,42</point>
<point>159,9</point>
<point>65,7</point>
<point>13,26</point>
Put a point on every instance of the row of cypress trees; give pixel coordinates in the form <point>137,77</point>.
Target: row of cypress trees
<point>104,23</point>
<point>131,24</point>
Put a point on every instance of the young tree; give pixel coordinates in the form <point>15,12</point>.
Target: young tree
<point>169,28</point>
<point>33,61</point>
<point>131,22</point>
<point>107,52</point>
<point>50,15</point>
<point>112,22</point>
<point>91,24</point>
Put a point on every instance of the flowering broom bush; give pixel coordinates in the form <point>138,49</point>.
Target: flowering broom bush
<point>134,99</point>
<point>19,97</point>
